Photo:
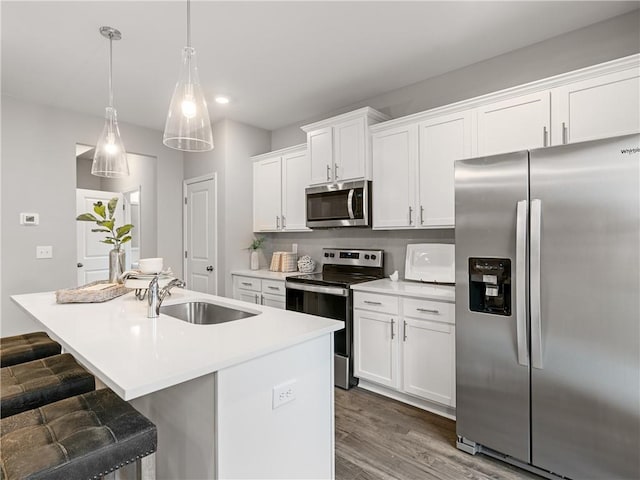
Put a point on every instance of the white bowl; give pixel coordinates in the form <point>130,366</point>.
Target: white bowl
<point>150,265</point>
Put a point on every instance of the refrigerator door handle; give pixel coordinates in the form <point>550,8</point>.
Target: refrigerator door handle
<point>536,321</point>
<point>521,283</point>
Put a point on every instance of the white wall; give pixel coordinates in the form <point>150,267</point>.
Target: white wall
<point>39,175</point>
<point>234,144</point>
<point>597,43</point>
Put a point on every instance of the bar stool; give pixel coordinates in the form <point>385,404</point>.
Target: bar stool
<point>33,384</point>
<point>83,437</point>
<point>27,347</point>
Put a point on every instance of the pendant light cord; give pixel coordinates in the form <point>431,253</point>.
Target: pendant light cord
<point>188,23</point>
<point>111,70</point>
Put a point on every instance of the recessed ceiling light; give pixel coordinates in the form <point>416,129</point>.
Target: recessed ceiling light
<point>222,99</point>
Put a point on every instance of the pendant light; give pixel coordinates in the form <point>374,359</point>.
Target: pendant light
<point>188,127</point>
<point>110,158</point>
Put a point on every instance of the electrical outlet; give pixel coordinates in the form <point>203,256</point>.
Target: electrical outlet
<point>45,251</point>
<point>284,393</point>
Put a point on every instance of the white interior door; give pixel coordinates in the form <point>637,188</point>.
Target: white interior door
<point>92,254</point>
<point>200,235</point>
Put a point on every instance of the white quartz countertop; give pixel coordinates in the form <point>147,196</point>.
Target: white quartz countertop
<point>445,293</point>
<point>135,355</point>
<point>265,274</point>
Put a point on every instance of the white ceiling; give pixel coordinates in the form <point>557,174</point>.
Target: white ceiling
<point>280,62</point>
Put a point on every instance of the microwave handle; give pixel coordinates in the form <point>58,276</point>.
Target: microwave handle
<point>350,203</point>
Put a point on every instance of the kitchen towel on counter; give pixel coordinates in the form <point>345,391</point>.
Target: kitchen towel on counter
<point>283,262</point>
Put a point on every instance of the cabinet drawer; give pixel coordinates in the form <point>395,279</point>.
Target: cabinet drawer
<point>273,286</point>
<point>247,283</point>
<point>375,302</point>
<point>429,310</point>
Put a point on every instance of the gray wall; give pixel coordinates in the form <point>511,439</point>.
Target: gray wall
<point>38,174</point>
<point>597,43</point>
<point>84,179</point>
<point>234,144</point>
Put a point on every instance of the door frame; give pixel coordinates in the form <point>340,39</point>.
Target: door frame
<point>189,181</point>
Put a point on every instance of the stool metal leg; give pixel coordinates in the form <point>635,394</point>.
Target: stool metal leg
<point>146,467</point>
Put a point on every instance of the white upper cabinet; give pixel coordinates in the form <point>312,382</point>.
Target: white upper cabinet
<point>267,187</point>
<point>339,147</point>
<point>413,167</point>
<point>442,140</point>
<point>605,106</point>
<point>279,180</point>
<point>295,177</point>
<point>395,154</point>
<point>515,124</point>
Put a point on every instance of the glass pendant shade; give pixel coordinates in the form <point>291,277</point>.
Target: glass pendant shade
<point>188,127</point>
<point>110,159</point>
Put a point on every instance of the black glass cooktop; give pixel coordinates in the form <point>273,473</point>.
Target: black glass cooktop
<point>342,277</point>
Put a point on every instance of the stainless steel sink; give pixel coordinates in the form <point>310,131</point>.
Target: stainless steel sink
<point>204,313</point>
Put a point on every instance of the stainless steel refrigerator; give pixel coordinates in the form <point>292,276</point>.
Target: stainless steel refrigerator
<point>548,308</point>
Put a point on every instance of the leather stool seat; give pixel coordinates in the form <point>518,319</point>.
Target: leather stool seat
<point>33,384</point>
<point>27,347</point>
<point>82,437</point>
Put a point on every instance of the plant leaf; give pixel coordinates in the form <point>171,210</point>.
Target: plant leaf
<point>87,217</point>
<point>125,239</point>
<point>112,206</point>
<point>106,223</point>
<point>108,240</point>
<point>100,230</point>
<point>99,208</point>
<point>123,230</point>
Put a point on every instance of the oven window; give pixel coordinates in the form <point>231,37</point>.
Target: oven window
<point>324,305</point>
<point>334,205</point>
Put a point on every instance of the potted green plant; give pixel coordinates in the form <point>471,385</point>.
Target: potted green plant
<point>117,236</point>
<point>256,245</point>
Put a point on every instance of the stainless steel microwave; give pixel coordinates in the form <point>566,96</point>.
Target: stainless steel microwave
<point>345,204</point>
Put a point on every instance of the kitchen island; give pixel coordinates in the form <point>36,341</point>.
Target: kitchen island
<point>251,398</point>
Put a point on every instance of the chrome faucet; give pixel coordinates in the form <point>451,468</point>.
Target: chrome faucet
<point>157,294</point>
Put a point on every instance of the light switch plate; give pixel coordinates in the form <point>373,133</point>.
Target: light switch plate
<point>29,219</point>
<point>44,251</point>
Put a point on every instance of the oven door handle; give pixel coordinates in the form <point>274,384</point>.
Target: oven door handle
<point>340,292</point>
<point>350,203</point>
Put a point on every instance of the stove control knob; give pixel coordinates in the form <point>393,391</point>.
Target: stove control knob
<point>326,254</point>
<point>373,257</point>
<point>332,255</point>
<point>366,257</point>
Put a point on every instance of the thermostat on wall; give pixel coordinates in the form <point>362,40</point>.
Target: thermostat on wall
<point>29,219</point>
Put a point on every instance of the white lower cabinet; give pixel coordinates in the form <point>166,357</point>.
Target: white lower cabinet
<point>271,293</point>
<point>410,349</point>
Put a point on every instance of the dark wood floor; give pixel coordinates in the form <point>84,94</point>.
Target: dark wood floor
<point>381,439</point>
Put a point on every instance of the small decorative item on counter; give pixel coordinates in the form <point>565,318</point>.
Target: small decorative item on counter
<point>394,276</point>
<point>116,236</point>
<point>256,245</point>
<point>94,292</point>
<point>306,264</point>
<point>283,262</point>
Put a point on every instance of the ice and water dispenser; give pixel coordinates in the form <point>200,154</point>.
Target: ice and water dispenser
<point>490,285</point>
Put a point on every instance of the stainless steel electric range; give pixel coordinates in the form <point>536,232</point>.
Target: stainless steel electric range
<point>329,294</point>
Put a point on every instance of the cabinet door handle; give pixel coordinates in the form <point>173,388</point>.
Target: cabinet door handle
<point>335,171</point>
<point>410,215</point>
<point>369,302</point>
<point>404,332</point>
<point>247,284</point>
<point>328,172</point>
<point>272,288</point>
<point>283,222</point>
<point>544,136</point>
<point>421,215</point>
<point>393,335</point>
<point>564,133</point>
<point>257,298</point>
<point>277,223</point>
<point>427,310</point>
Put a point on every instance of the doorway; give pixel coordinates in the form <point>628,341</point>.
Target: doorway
<point>201,234</point>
